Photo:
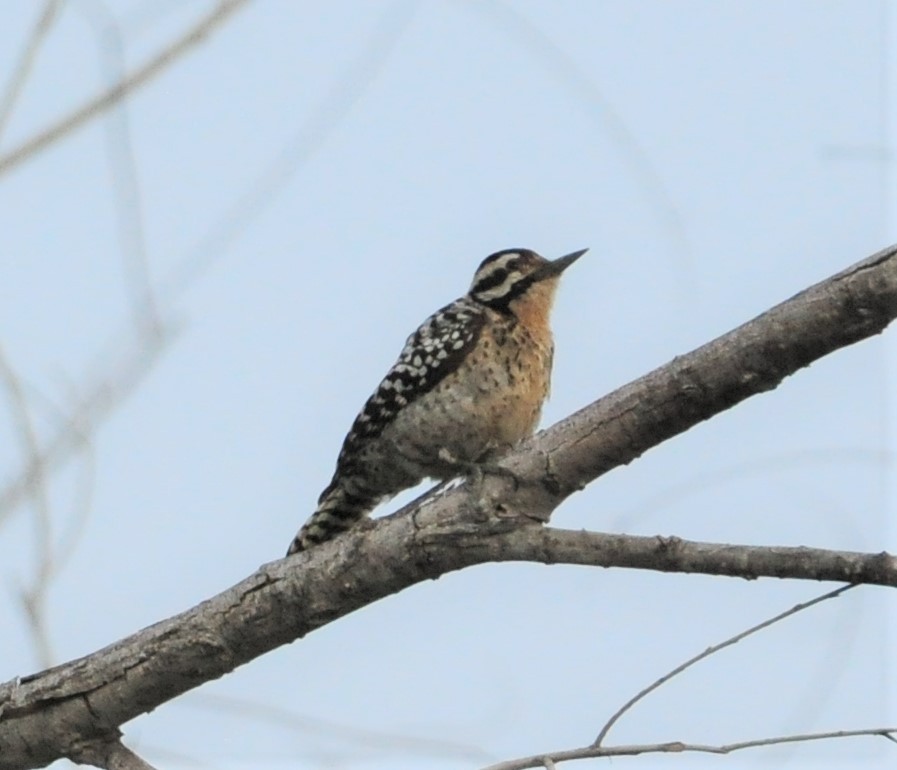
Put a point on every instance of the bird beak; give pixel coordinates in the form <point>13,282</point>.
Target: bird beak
<point>557,266</point>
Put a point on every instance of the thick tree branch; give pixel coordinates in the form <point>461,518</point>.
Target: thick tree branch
<point>48,715</point>
<point>755,357</point>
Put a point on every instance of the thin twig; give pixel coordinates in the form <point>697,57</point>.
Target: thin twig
<point>710,651</point>
<point>102,395</point>
<point>345,734</point>
<point>128,197</point>
<point>20,74</point>
<point>33,596</point>
<point>75,525</point>
<point>678,747</point>
<point>105,392</point>
<point>123,88</point>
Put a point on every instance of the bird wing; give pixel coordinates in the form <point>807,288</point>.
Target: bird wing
<point>430,354</point>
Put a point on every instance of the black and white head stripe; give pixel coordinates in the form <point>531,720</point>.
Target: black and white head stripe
<point>504,275</point>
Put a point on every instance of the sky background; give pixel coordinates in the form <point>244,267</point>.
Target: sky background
<point>290,199</point>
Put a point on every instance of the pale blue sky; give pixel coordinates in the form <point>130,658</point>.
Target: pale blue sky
<point>315,180</point>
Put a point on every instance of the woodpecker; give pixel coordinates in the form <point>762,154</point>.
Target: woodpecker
<point>468,385</point>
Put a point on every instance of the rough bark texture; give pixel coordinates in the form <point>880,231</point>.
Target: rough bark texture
<point>57,712</point>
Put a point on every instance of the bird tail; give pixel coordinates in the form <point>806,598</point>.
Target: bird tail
<point>338,510</point>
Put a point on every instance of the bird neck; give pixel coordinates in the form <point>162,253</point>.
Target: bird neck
<point>533,309</point>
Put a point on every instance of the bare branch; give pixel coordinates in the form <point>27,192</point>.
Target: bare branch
<point>33,596</point>
<point>128,197</point>
<point>284,600</point>
<point>49,558</point>
<point>473,523</point>
<point>678,747</point>
<point>348,736</point>
<point>74,526</point>
<point>102,395</point>
<point>707,653</point>
<point>549,545</point>
<point>35,488</point>
<point>141,76</point>
<point>26,62</point>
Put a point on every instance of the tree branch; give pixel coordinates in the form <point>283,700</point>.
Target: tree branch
<point>26,61</point>
<point>712,650</point>
<point>123,88</point>
<point>45,716</point>
<point>672,554</point>
<point>678,747</point>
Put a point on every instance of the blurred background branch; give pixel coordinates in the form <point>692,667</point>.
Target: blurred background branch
<point>20,72</point>
<point>111,96</point>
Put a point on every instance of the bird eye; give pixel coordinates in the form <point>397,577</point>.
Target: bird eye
<point>496,278</point>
